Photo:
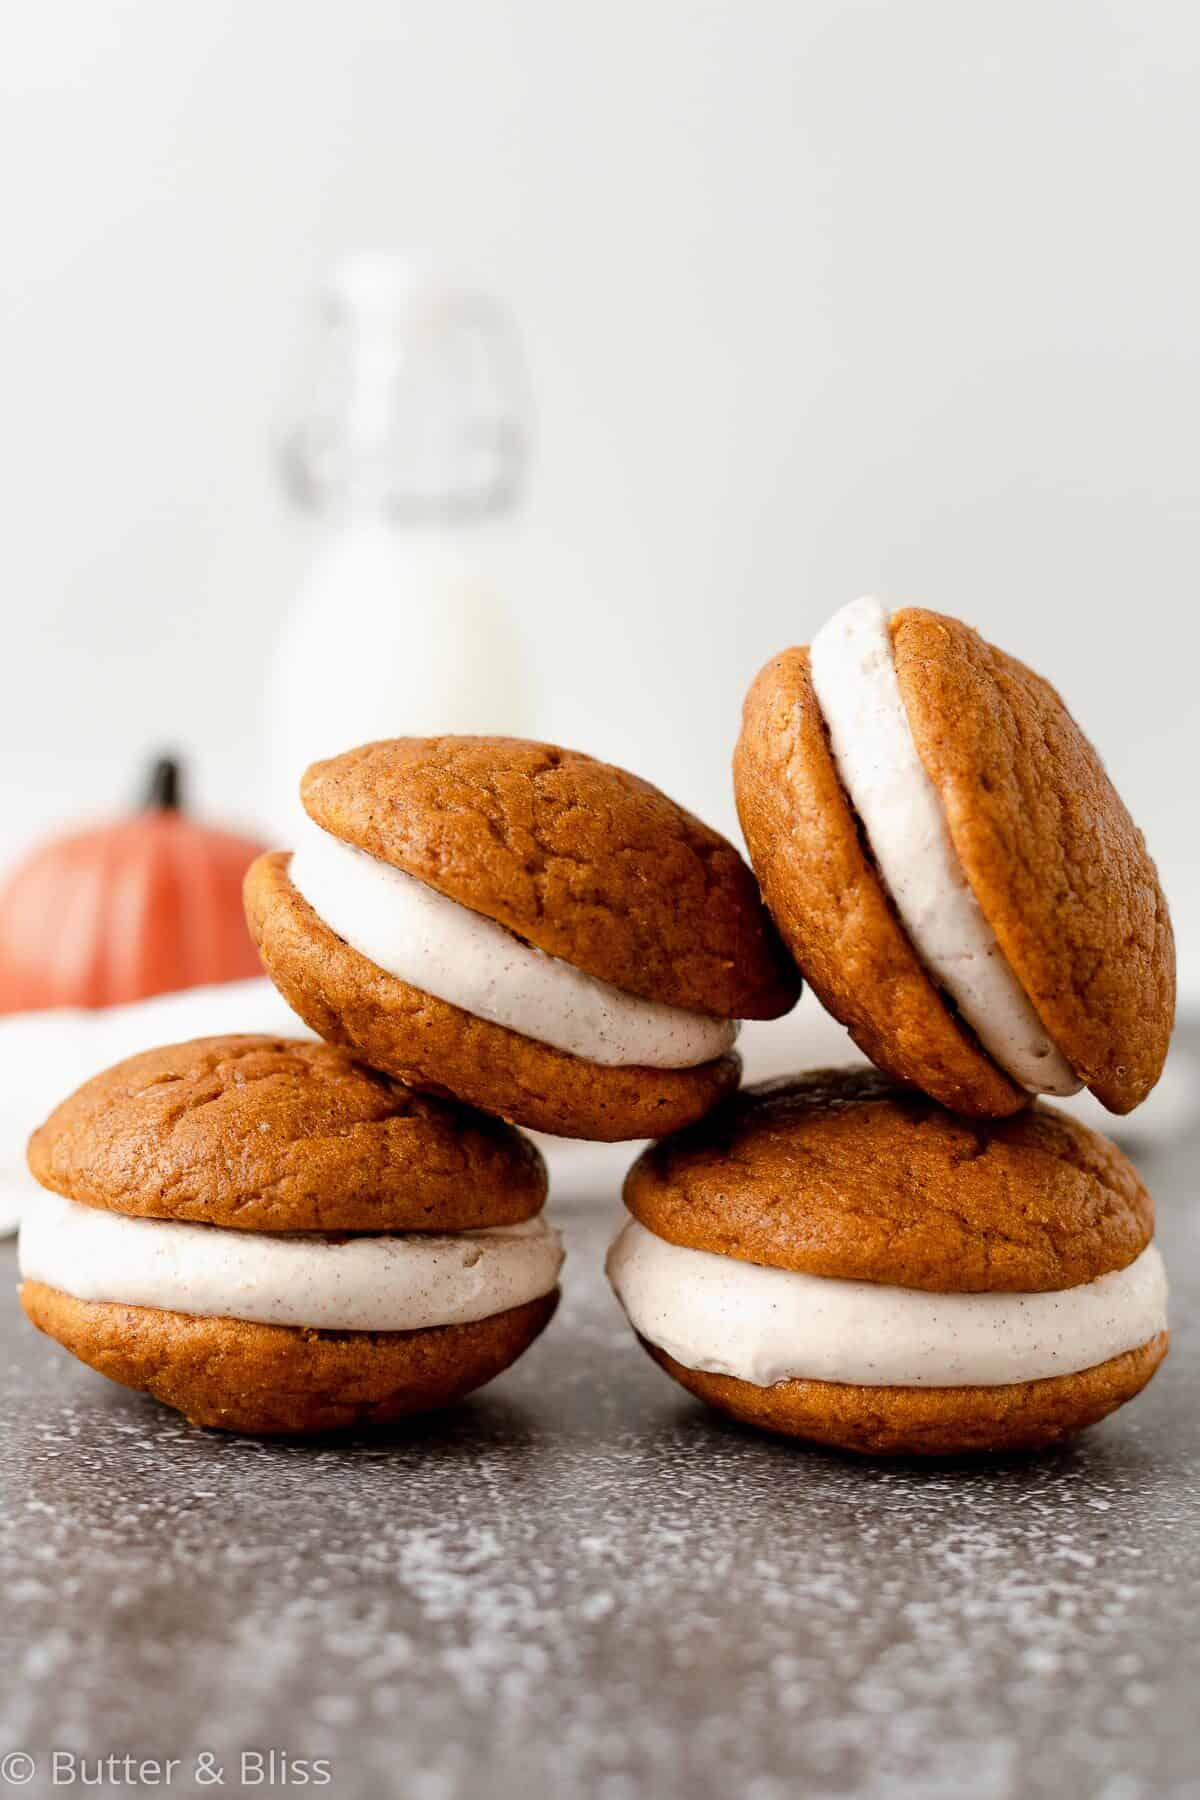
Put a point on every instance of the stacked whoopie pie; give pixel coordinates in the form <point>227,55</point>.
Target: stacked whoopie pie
<point>837,1257</point>
<point>952,868</point>
<point>523,927</point>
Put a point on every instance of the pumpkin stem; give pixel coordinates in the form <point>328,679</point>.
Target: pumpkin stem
<point>164,791</point>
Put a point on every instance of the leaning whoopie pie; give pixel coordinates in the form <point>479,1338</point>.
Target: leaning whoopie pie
<point>834,1257</point>
<point>538,933</point>
<point>272,1238</point>
<point>952,868</point>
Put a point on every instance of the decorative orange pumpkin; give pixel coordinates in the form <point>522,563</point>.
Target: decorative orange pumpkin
<point>139,907</point>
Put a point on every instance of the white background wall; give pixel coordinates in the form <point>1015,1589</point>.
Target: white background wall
<point>819,297</point>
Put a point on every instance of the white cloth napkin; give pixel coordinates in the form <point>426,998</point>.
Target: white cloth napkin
<point>45,1055</point>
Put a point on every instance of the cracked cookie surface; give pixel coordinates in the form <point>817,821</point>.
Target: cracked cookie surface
<point>584,860</point>
<point>842,1173</point>
<point>1057,865</point>
<point>277,1134</point>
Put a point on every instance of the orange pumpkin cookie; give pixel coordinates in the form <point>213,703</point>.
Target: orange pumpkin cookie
<point>531,930</point>
<point>272,1238</point>
<point>835,1257</point>
<point>952,868</point>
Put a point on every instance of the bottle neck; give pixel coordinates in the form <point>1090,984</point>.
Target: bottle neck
<point>412,417</point>
<point>375,504</point>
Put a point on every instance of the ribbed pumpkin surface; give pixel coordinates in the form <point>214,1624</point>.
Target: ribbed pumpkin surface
<point>124,911</point>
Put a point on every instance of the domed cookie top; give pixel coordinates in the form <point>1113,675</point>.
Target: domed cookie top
<point>274,1134</point>
<point>585,861</point>
<point>1058,866</point>
<point>842,1173</point>
<point>951,866</point>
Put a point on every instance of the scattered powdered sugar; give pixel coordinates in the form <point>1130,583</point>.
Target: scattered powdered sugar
<point>582,1584</point>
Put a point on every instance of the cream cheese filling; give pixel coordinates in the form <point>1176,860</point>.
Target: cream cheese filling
<point>404,1282</point>
<point>418,935</point>
<point>854,677</point>
<point>765,1325</point>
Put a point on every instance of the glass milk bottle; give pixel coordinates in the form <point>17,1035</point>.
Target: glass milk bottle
<point>410,443</point>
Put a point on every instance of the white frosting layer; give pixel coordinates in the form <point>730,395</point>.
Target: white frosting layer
<point>418,935</point>
<point>766,1325</point>
<point>854,676</point>
<point>398,1283</point>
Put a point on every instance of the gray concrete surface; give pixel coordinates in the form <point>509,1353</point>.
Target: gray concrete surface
<point>582,1584</point>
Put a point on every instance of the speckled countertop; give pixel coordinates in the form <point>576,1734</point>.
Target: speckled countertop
<point>582,1584</point>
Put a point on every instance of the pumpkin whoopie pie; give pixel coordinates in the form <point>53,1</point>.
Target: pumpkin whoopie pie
<point>533,931</point>
<point>952,868</point>
<point>272,1238</point>
<point>835,1257</point>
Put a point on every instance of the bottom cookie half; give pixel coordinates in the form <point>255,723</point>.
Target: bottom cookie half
<point>436,1047</point>
<point>910,1421</point>
<point>276,1379</point>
